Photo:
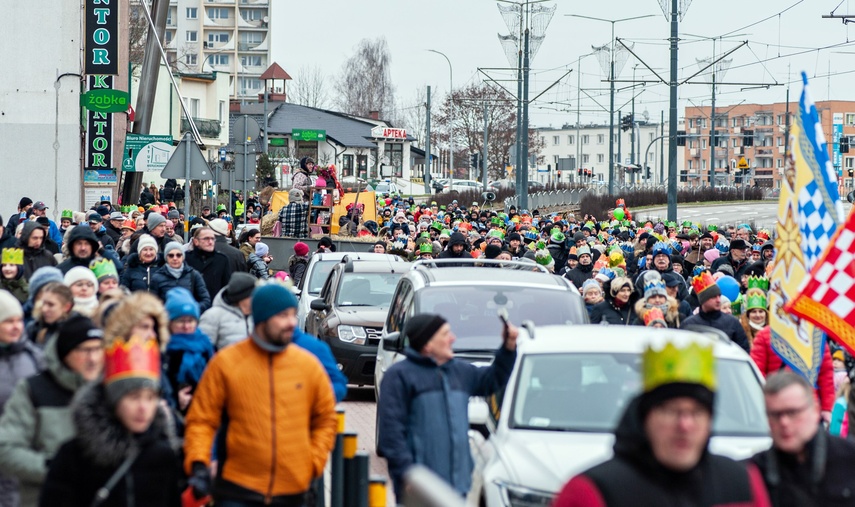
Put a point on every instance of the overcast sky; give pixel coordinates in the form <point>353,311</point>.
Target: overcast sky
<point>323,33</point>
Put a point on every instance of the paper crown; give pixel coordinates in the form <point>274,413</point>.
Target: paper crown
<point>135,358</point>
<point>654,286</point>
<point>426,248</point>
<point>755,299</point>
<point>67,213</point>
<point>616,258</point>
<point>693,364</point>
<point>104,268</point>
<point>496,233</point>
<point>543,257</point>
<point>758,282</point>
<point>661,247</point>
<point>653,316</point>
<point>13,256</point>
<point>702,282</point>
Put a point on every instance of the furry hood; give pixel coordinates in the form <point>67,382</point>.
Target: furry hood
<point>672,314</point>
<point>130,311</point>
<point>102,437</point>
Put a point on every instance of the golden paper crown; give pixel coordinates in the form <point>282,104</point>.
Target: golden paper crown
<point>702,282</point>
<point>103,269</point>
<point>758,282</point>
<point>137,357</point>
<point>13,256</point>
<point>694,364</point>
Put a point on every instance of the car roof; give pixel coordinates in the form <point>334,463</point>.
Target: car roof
<point>357,256</point>
<point>471,274</point>
<point>377,266</point>
<point>621,339</point>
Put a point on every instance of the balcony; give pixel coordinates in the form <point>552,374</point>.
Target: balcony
<point>721,153</point>
<point>763,151</point>
<point>693,152</point>
<point>207,128</point>
<point>250,46</point>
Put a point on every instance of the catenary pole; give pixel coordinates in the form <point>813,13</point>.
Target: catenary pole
<point>672,118</point>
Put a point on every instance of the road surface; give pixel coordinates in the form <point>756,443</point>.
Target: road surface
<point>762,214</point>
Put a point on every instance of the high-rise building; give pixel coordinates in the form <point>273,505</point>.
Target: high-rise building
<point>231,36</point>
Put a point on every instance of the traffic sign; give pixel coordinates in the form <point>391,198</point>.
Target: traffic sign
<point>177,165</point>
<point>245,127</point>
<point>742,164</point>
<point>145,152</point>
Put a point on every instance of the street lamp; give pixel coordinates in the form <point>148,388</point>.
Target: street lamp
<point>450,121</point>
<point>611,90</point>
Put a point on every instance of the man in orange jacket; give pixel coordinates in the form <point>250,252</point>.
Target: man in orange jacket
<point>275,406</point>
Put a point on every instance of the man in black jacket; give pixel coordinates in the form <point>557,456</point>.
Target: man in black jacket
<point>583,270</point>
<point>237,260</point>
<point>806,466</point>
<point>211,264</point>
<point>710,314</point>
<point>737,258</point>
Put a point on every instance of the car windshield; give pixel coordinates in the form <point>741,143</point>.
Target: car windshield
<point>588,392</point>
<point>367,289</point>
<point>320,272</point>
<point>471,310</point>
<point>382,188</point>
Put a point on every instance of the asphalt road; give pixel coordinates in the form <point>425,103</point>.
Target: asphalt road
<point>762,214</point>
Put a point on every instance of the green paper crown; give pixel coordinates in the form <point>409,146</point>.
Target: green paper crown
<point>694,364</point>
<point>67,213</point>
<point>104,269</point>
<point>755,299</point>
<point>13,256</point>
<point>758,282</point>
<point>426,248</point>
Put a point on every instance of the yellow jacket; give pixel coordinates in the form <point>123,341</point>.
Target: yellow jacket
<point>281,419</point>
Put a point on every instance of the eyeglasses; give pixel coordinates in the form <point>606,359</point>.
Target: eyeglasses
<point>789,413</point>
<point>206,238</point>
<point>175,255</point>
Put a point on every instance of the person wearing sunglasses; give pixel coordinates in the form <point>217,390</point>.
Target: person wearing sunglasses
<point>176,273</point>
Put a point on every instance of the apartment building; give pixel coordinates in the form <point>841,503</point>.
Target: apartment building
<point>757,132</point>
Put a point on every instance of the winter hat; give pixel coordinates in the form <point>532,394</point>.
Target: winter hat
<point>144,241</point>
<point>180,303</point>
<point>219,226</point>
<point>173,214</point>
<point>261,249</point>
<point>270,299</point>
<point>583,250</point>
<point>590,284</point>
<point>239,288</point>
<point>73,331</point>
<point>492,251</point>
<point>655,287</point>
<point>172,245</point>
<point>9,306</point>
<point>25,201</point>
<point>705,287</point>
<point>514,236</point>
<point>301,249</point>
<point>295,195</point>
<point>42,277</point>
<point>738,244</point>
<point>421,328</point>
<point>618,283</point>
<point>78,274</point>
<point>153,220</point>
<point>711,255</point>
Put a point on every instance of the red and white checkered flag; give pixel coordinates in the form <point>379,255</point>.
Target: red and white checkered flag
<point>828,298</point>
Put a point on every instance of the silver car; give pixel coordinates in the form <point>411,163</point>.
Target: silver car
<point>568,390</point>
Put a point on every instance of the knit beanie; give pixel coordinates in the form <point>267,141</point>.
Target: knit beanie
<point>492,251</point>
<point>153,220</point>
<point>590,284</point>
<point>9,306</point>
<point>421,328</point>
<point>261,249</point>
<point>618,283</point>
<point>73,331</point>
<point>146,240</point>
<point>239,288</point>
<point>180,303</point>
<point>295,195</point>
<point>270,299</point>
<point>711,255</point>
<point>301,249</point>
<point>172,245</point>
<point>42,277</point>
<point>77,274</point>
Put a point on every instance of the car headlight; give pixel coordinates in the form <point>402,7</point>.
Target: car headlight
<point>520,496</point>
<point>352,334</point>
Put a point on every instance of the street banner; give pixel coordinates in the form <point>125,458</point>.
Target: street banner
<point>809,211</point>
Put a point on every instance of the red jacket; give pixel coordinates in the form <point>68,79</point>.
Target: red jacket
<point>769,362</point>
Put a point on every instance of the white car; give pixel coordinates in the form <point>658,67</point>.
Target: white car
<point>567,392</point>
<point>318,270</point>
<point>462,186</point>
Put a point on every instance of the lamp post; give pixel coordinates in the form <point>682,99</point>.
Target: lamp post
<point>450,121</point>
<point>611,90</point>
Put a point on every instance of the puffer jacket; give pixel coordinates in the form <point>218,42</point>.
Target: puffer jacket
<point>18,287</point>
<point>723,322</point>
<point>423,413</point>
<point>137,275</point>
<point>224,323</point>
<point>34,258</point>
<point>257,267</point>
<point>84,464</point>
<point>36,421</point>
<point>281,421</point>
<point>190,279</point>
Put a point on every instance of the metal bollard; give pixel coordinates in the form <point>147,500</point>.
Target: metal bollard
<point>350,479</point>
<point>337,465</point>
<point>361,468</point>
<point>377,491</point>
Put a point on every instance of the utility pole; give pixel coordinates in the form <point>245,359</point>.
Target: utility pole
<point>578,116</point>
<point>672,116</point>
<point>427,177</point>
<point>662,147</point>
<point>522,190</point>
<point>612,114</point>
<point>632,131</point>
<point>712,131</point>
<point>484,148</point>
<point>619,139</point>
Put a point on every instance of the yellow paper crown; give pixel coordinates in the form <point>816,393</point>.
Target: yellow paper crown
<point>694,364</point>
<point>13,256</point>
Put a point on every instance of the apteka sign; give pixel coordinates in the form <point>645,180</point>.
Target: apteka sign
<point>102,37</point>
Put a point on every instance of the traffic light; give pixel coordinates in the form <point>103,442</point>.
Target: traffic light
<point>626,122</point>
<point>558,174</point>
<point>579,171</point>
<point>844,144</point>
<point>851,173</point>
<point>648,171</point>
<point>473,160</point>
<point>681,138</point>
<point>748,138</point>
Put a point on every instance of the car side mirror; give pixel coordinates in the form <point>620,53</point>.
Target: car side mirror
<point>392,342</point>
<point>319,305</point>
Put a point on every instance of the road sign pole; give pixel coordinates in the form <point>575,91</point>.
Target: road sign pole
<point>245,145</point>
<point>187,194</point>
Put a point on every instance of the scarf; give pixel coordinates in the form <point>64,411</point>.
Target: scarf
<point>266,346</point>
<point>756,327</point>
<point>197,351</point>
<point>176,272</point>
<point>86,306</point>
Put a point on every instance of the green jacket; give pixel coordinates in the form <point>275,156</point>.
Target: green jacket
<point>19,288</point>
<point>36,421</point>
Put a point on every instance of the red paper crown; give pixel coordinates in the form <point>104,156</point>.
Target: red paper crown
<point>702,282</point>
<point>654,315</point>
<point>136,357</point>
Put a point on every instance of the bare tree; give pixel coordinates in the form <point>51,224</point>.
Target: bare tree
<point>365,82</point>
<point>137,35</point>
<point>309,88</point>
<point>414,114</point>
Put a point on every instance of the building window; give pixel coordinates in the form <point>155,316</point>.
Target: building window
<point>735,142</point>
<point>250,85</point>
<point>221,37</point>
<point>616,138</point>
<point>703,164</point>
<point>779,162</point>
<point>190,59</point>
<point>167,37</point>
<point>556,140</point>
<point>191,36</point>
<point>251,61</point>
<point>585,158</point>
<point>585,139</point>
<point>703,144</point>
<point>543,140</point>
<point>219,59</point>
<point>601,158</point>
<point>555,160</point>
<point>192,13</point>
<point>347,165</point>
<point>218,13</point>
<point>254,38</point>
<point>850,118</point>
<point>221,112</point>
<point>394,156</point>
<point>601,138</point>
<point>780,119</point>
<point>571,139</point>
<point>691,164</point>
<point>691,123</point>
<point>849,162</point>
<point>361,165</point>
<point>252,14</point>
<point>650,137</point>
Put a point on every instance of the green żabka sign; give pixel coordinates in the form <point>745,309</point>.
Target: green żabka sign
<point>105,100</point>
<point>308,135</point>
